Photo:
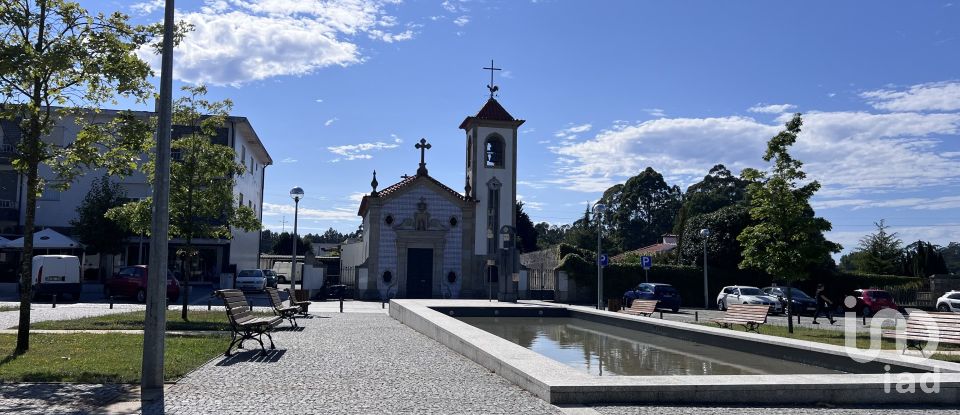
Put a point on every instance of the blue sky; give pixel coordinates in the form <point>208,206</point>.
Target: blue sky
<point>339,88</point>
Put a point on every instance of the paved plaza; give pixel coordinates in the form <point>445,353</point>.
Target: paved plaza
<point>357,362</point>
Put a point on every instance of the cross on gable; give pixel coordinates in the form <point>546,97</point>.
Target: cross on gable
<point>423,146</point>
<point>493,88</point>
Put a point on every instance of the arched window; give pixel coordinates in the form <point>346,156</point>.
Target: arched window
<point>494,151</point>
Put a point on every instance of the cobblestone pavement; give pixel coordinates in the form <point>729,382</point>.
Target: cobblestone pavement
<point>57,398</point>
<point>700,410</point>
<point>351,363</point>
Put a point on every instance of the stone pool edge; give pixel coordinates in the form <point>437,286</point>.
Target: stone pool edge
<point>557,383</point>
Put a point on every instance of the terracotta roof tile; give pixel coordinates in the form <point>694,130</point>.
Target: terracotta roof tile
<point>387,191</point>
<point>492,110</point>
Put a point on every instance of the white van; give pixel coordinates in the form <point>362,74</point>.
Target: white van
<point>56,274</point>
<point>282,268</point>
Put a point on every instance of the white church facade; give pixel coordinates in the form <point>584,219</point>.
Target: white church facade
<point>422,239</point>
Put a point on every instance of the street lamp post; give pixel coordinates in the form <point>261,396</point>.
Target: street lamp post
<point>597,211</point>
<point>296,193</point>
<point>705,233</point>
<point>509,235</point>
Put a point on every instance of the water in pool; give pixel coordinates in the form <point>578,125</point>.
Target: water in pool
<point>606,350</point>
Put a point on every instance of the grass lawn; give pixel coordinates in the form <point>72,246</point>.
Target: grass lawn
<point>100,358</point>
<point>9,308</point>
<point>836,338</point>
<point>199,320</point>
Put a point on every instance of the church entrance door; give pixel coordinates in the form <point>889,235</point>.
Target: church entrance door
<point>419,273</point>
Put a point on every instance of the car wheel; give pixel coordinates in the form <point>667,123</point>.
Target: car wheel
<point>867,312</point>
<point>943,308</point>
<point>721,305</point>
<point>282,279</point>
<point>141,296</point>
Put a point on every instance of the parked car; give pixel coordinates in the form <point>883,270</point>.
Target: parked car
<point>56,274</point>
<point>802,303</point>
<point>251,279</point>
<point>949,302</point>
<point>131,282</point>
<point>736,294</point>
<point>871,301</point>
<point>666,296</point>
<point>282,268</point>
<point>272,278</point>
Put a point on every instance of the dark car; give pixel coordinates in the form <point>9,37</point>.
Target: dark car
<point>132,282</point>
<point>802,303</point>
<point>665,294</point>
<point>272,277</point>
<point>871,301</point>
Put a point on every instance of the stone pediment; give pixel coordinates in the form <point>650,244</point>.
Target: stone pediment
<point>421,220</point>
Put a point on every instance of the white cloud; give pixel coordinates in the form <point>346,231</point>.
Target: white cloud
<point>148,7</point>
<point>912,203</point>
<point>570,133</point>
<point>243,41</point>
<point>933,96</point>
<point>461,21</point>
<point>771,108</point>
<point>655,112</point>
<point>356,197</point>
<point>361,151</point>
<point>940,234</point>
<point>289,160</point>
<point>330,122</point>
<point>318,100</point>
<point>850,153</point>
<point>336,214</point>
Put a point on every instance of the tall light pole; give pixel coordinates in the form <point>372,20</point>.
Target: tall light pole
<point>296,193</point>
<point>597,212</point>
<point>155,319</point>
<point>509,235</point>
<point>705,233</point>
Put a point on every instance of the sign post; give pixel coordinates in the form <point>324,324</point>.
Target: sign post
<point>647,262</point>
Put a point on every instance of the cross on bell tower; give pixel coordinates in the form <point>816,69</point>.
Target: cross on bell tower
<point>493,88</point>
<point>423,146</point>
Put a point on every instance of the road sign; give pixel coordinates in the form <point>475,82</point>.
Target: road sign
<point>646,261</point>
<point>604,260</point>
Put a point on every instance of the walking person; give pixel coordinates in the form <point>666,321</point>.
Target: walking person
<point>824,305</point>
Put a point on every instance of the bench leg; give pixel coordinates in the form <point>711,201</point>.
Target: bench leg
<point>272,347</point>
<point>915,344</point>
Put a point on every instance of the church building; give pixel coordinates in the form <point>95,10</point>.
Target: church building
<point>422,239</point>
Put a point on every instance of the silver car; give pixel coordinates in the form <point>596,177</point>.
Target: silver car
<point>736,294</point>
<point>949,302</point>
<point>251,280</point>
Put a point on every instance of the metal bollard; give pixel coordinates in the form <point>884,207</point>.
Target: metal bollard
<point>111,302</point>
<point>661,314</point>
<point>798,318</point>
<point>696,316</point>
<point>208,304</point>
<point>383,305</point>
<point>54,301</point>
<point>341,301</point>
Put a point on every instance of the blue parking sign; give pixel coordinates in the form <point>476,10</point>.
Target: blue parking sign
<point>604,260</point>
<point>646,261</point>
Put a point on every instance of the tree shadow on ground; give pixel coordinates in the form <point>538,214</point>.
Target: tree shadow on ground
<point>61,398</point>
<point>252,356</point>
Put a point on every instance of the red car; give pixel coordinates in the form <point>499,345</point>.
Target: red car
<point>871,301</point>
<point>132,282</point>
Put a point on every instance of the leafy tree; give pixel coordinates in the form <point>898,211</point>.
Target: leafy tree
<point>951,257</point>
<point>284,244</point>
<point>202,178</point>
<point>583,233</point>
<point>718,189</point>
<point>97,233</point>
<point>786,237</point>
<point>267,241</point>
<point>880,252</point>
<point>723,249</point>
<point>526,232</point>
<point>550,235</point>
<point>923,259</point>
<point>640,210</point>
<point>58,61</point>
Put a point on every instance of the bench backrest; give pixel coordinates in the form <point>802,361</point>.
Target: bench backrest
<point>238,310</point>
<point>748,312</point>
<point>643,306</point>
<point>274,296</point>
<point>945,326</point>
<point>293,298</point>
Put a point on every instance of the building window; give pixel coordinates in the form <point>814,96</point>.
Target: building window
<point>243,153</point>
<point>494,151</point>
<point>241,199</point>
<point>469,151</point>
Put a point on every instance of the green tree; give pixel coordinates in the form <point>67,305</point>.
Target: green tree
<point>640,210</point>
<point>786,238</point>
<point>923,259</point>
<point>583,232</point>
<point>879,252</point>
<point>97,233</point>
<point>202,178</point>
<point>526,232</point>
<point>951,257</point>
<point>550,235</point>
<point>284,244</point>
<point>718,189</point>
<point>723,249</point>
<point>59,62</point>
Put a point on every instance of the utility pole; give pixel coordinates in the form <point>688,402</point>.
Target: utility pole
<point>154,326</point>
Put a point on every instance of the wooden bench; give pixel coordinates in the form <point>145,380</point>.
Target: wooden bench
<point>244,325</point>
<point>750,316</point>
<point>923,328</point>
<point>302,305</point>
<point>641,308</point>
<point>287,312</point>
